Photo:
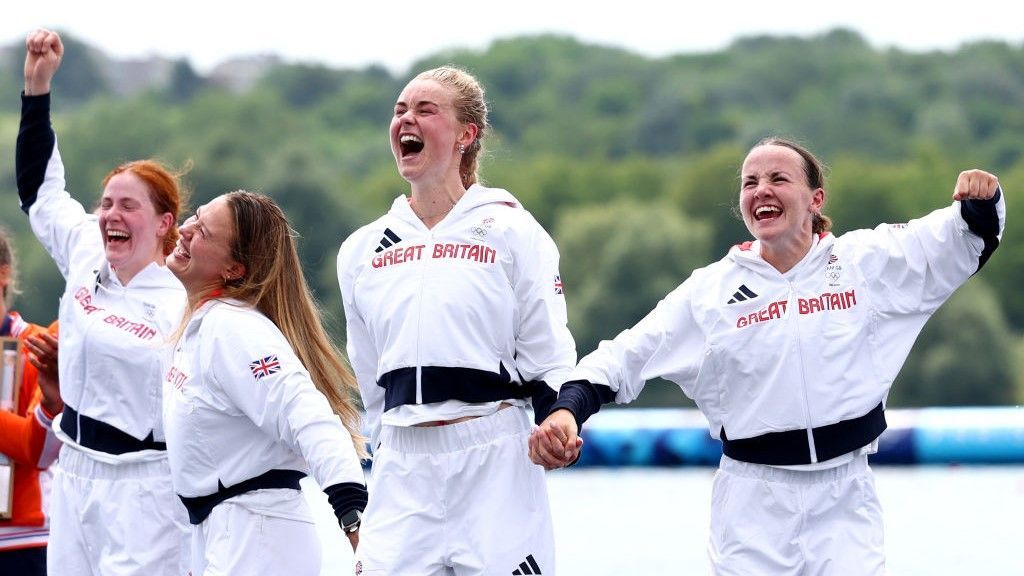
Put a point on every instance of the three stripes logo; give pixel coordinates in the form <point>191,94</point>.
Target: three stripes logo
<point>528,567</point>
<point>742,294</point>
<point>389,240</point>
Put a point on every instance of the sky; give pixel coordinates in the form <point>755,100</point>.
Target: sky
<point>396,33</point>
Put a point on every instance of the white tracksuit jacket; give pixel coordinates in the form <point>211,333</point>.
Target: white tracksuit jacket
<point>113,338</point>
<point>451,321</point>
<point>238,403</point>
<point>760,351</point>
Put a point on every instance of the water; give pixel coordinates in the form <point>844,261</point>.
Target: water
<point>940,521</point>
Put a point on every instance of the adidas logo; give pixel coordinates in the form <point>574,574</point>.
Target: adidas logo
<point>389,240</point>
<point>528,567</point>
<point>742,294</point>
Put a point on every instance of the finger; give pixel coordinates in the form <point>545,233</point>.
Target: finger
<point>36,41</point>
<point>39,355</point>
<point>543,456</point>
<point>35,362</point>
<point>50,339</point>
<point>559,432</point>
<point>975,184</point>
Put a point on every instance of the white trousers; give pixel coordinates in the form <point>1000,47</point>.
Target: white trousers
<point>260,533</point>
<point>115,520</point>
<point>462,499</point>
<point>767,520</point>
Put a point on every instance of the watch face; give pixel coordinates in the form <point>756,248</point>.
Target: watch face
<point>350,520</point>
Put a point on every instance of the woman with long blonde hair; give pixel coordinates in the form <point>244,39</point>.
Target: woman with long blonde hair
<point>256,396</point>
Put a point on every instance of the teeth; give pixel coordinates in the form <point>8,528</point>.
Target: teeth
<point>765,209</point>
<point>409,139</point>
<point>117,234</point>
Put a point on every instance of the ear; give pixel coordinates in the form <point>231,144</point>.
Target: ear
<point>166,223</point>
<point>234,271</point>
<point>468,134</point>
<point>817,200</point>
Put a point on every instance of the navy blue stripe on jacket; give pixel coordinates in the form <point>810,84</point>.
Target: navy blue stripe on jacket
<point>36,142</point>
<point>440,383</point>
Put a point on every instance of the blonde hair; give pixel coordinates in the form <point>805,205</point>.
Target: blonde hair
<point>470,108</point>
<point>274,284</point>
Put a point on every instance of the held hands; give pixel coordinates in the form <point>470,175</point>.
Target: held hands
<point>43,348</point>
<point>556,442</point>
<point>975,185</point>
<point>43,53</point>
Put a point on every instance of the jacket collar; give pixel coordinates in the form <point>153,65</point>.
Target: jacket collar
<point>476,195</point>
<point>748,255</point>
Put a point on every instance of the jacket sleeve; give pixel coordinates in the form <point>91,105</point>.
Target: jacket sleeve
<point>915,267</point>
<point>22,436</point>
<point>59,222</point>
<point>668,343</point>
<point>545,349</point>
<point>360,348</point>
<point>257,371</point>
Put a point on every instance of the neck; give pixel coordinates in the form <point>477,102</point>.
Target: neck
<point>197,299</point>
<point>785,256</point>
<point>126,273</point>
<point>431,205</point>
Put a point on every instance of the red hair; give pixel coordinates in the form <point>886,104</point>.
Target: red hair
<point>165,191</point>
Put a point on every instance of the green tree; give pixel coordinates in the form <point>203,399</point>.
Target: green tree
<point>620,259</point>
<point>962,357</point>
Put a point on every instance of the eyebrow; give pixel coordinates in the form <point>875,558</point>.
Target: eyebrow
<point>417,104</point>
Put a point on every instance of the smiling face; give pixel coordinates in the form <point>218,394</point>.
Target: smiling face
<point>776,201</point>
<point>203,260</point>
<point>132,229</point>
<point>426,133</point>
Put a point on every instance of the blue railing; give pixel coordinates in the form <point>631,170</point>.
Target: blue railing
<point>679,437</point>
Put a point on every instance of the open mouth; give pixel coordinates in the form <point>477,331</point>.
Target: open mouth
<point>180,251</point>
<point>118,236</point>
<point>767,213</point>
<point>410,144</point>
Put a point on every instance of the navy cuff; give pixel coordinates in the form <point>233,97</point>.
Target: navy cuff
<point>982,219</point>
<point>583,399</point>
<point>345,497</point>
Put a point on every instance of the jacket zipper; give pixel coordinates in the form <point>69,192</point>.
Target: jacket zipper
<point>428,245</point>
<point>795,311</point>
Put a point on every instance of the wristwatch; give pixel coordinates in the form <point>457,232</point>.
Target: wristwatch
<point>350,520</point>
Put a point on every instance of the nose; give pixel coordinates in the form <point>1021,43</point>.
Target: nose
<point>762,189</point>
<point>187,227</point>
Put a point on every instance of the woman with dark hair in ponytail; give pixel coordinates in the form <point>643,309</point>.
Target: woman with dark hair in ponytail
<point>789,345</point>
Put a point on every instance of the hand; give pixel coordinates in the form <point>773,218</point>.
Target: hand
<point>43,348</point>
<point>353,539</point>
<point>43,53</point>
<point>975,185</point>
<point>556,442</point>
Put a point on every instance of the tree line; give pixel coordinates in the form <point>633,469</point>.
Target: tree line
<point>630,162</point>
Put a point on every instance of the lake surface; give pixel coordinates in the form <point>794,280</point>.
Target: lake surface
<point>940,521</point>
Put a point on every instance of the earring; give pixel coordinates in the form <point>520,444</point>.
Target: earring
<point>462,148</point>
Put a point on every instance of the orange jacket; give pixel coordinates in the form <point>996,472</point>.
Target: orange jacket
<point>22,439</point>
